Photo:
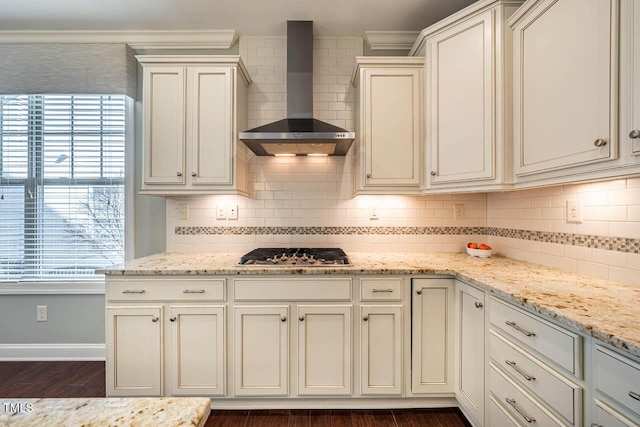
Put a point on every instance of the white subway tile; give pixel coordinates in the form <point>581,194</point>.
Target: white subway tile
<point>593,269</point>
<point>624,275</point>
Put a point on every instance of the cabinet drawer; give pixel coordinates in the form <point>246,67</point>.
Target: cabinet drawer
<point>617,377</point>
<point>498,416</point>
<point>517,403</point>
<point>557,344</point>
<point>534,376</point>
<point>288,289</point>
<point>381,289</point>
<point>161,289</point>
<point>608,417</point>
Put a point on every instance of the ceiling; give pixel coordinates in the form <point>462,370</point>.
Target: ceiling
<point>248,17</point>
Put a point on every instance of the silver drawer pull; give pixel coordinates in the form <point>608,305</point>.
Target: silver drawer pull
<point>127,291</point>
<point>519,370</point>
<point>634,395</point>
<point>526,417</point>
<point>596,425</point>
<point>193,291</point>
<point>515,326</point>
<point>173,319</point>
<point>382,290</point>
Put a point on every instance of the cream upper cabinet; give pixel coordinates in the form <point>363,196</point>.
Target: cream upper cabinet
<point>193,108</point>
<point>389,124</point>
<point>630,79</point>
<point>565,87</point>
<point>468,98</point>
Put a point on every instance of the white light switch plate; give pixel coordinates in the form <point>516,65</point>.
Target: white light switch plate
<point>183,211</point>
<point>458,211</point>
<point>232,212</point>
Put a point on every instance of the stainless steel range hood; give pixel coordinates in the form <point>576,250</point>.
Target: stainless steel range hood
<point>299,134</point>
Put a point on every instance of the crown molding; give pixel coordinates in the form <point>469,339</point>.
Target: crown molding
<point>391,40</point>
<point>183,39</point>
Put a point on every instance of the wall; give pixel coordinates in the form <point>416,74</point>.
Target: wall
<point>606,244</point>
<point>308,201</point>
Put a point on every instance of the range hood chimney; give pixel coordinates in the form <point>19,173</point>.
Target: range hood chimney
<point>299,134</point>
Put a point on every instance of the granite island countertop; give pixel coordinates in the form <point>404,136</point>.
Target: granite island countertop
<point>606,310</point>
<point>99,412</point>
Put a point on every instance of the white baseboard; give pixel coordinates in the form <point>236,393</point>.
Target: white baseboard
<point>32,352</point>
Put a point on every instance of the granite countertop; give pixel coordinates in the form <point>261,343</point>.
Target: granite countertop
<point>99,412</point>
<point>606,310</point>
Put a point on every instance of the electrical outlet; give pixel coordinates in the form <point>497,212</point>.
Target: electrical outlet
<point>232,212</point>
<point>183,211</point>
<point>221,212</point>
<point>574,210</point>
<point>458,211</point>
<point>373,213</point>
<point>41,313</point>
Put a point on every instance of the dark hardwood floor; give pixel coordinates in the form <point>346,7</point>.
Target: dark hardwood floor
<point>87,379</point>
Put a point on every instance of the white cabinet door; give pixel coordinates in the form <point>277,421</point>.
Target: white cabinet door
<point>565,91</point>
<point>432,336</point>
<point>390,125</point>
<point>261,335</point>
<point>324,350</point>
<point>210,110</point>
<point>164,125</point>
<point>470,351</point>
<point>630,73</point>
<point>460,90</point>
<point>135,359</point>
<point>197,346</point>
<point>381,349</point>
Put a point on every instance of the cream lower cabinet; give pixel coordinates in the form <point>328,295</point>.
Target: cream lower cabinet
<point>135,351</point>
<point>389,125</point>
<point>197,362</point>
<point>381,349</point>
<point>432,331</point>
<point>165,337</point>
<point>262,349</point>
<point>630,79</point>
<point>193,108</point>
<point>470,351</point>
<point>324,350</point>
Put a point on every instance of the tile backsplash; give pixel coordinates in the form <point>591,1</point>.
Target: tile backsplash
<point>605,243</point>
<point>308,201</point>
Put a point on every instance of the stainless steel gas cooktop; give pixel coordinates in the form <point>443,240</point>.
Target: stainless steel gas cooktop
<point>296,257</point>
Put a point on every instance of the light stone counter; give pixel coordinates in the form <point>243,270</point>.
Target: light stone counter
<point>606,310</point>
<point>99,412</point>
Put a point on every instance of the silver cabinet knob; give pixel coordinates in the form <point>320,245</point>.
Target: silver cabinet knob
<point>368,176</point>
<point>173,319</point>
<point>283,318</point>
<point>600,142</point>
<point>154,319</point>
<point>178,173</point>
<point>433,173</point>
<point>365,318</point>
<point>419,291</point>
<point>634,134</point>
<point>479,304</point>
<point>301,318</point>
<point>193,174</point>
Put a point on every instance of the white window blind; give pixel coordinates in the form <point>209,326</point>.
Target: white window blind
<point>61,185</point>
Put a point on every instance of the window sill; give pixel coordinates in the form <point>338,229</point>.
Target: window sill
<point>53,288</point>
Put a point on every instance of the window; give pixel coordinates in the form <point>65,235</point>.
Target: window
<point>61,186</point>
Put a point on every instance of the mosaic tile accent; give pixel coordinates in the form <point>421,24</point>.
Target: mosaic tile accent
<point>618,244</point>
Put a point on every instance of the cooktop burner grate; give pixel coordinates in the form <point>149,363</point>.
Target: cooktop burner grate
<point>317,257</point>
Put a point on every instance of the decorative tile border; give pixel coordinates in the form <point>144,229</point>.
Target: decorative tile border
<point>618,244</point>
